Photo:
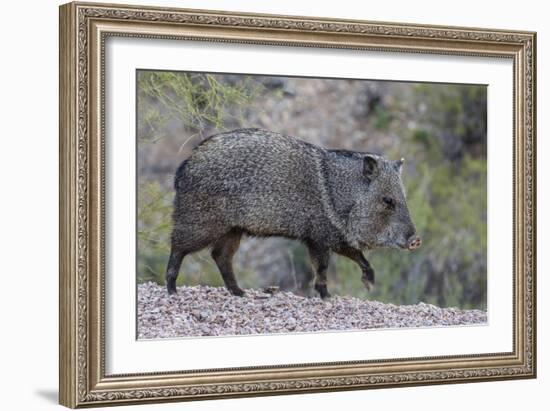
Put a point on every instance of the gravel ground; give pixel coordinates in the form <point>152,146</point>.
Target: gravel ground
<point>209,311</point>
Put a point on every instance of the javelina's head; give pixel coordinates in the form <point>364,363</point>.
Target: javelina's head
<point>380,216</point>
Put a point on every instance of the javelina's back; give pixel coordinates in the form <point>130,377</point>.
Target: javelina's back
<point>251,179</point>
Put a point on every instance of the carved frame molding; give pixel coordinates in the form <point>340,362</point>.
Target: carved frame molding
<point>84,27</point>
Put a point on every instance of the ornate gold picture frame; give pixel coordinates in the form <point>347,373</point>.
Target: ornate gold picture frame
<point>84,29</point>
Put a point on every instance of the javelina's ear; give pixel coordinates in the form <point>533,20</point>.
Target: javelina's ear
<point>370,167</point>
<point>398,165</point>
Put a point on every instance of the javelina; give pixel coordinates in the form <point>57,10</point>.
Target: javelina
<point>261,183</point>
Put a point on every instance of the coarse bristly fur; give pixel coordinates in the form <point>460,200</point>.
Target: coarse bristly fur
<point>262,183</point>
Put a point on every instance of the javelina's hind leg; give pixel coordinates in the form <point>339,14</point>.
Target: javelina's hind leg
<point>319,259</point>
<point>356,255</point>
<point>174,264</point>
<point>185,242</point>
<point>222,253</point>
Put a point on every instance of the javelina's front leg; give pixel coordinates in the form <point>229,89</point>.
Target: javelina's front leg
<point>356,255</point>
<point>319,260</point>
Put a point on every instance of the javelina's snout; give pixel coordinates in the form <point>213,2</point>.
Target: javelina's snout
<point>414,242</point>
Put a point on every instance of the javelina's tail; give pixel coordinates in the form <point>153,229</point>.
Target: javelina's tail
<point>180,172</point>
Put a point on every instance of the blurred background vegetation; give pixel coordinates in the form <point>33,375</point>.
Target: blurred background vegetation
<point>440,130</point>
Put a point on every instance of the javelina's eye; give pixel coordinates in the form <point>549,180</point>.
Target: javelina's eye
<point>390,202</point>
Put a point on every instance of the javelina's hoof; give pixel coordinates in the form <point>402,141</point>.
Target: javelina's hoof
<point>368,279</point>
<point>236,291</point>
<point>322,290</point>
<point>369,285</point>
<point>171,287</point>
